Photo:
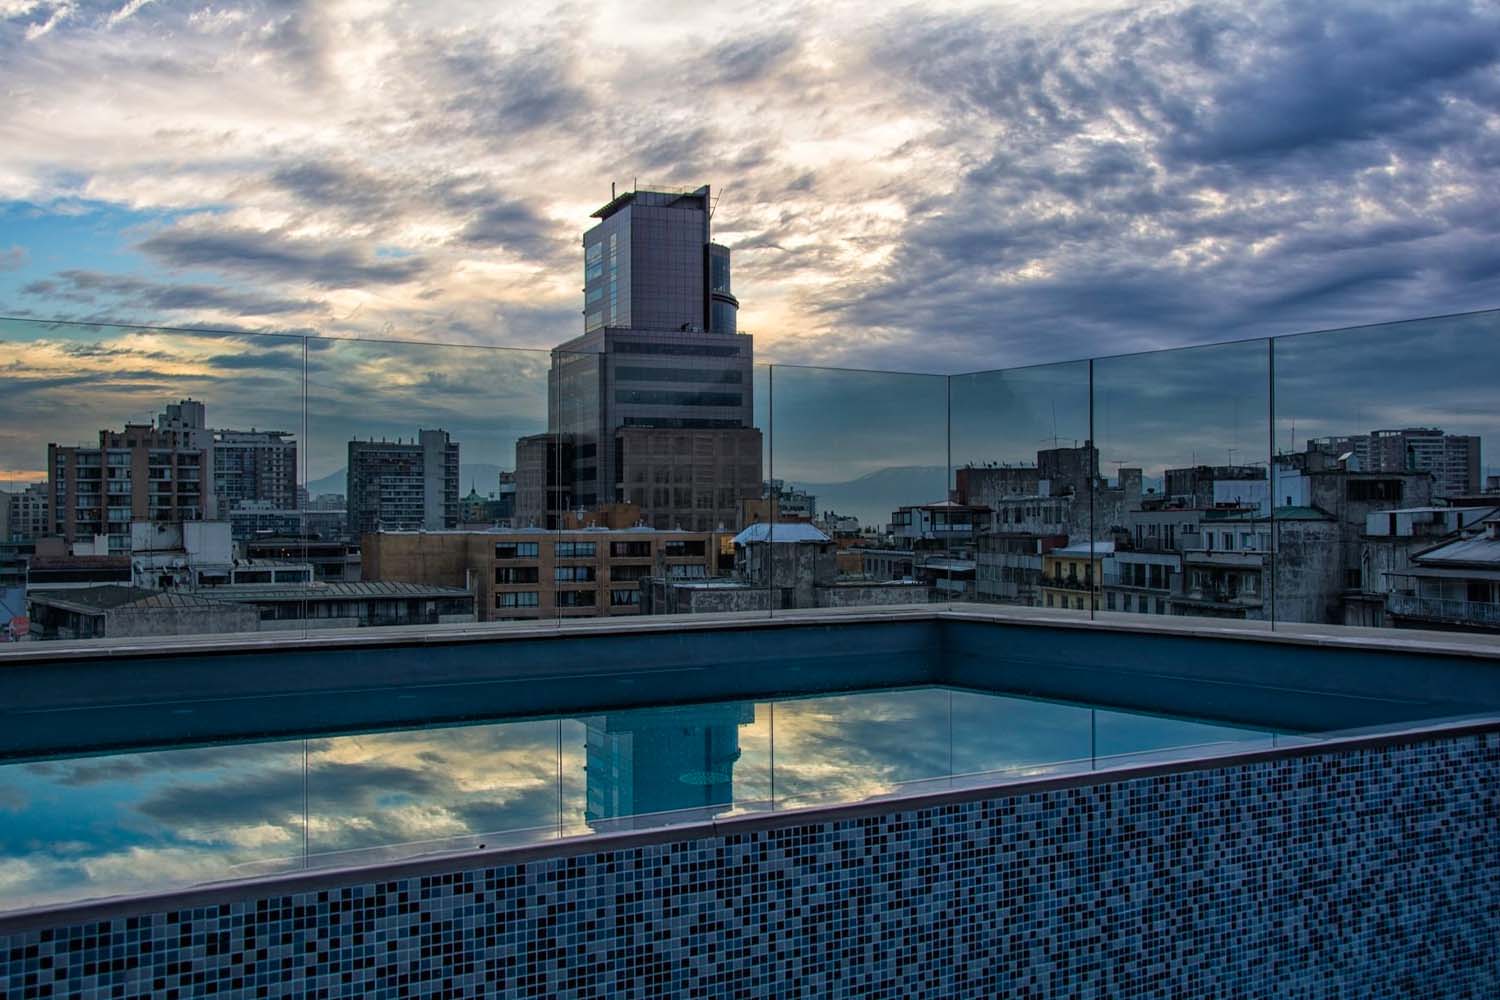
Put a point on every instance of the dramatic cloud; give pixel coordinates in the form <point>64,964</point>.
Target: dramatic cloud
<point>130,293</point>
<point>995,185</point>
<point>944,188</point>
<point>1194,172</point>
<point>275,258</point>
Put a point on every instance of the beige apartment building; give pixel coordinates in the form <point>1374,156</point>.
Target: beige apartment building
<point>530,574</point>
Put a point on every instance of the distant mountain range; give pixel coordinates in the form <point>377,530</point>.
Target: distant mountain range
<point>873,496</point>
<point>481,475</point>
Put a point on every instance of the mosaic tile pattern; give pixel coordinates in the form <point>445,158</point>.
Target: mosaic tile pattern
<point>1372,873</point>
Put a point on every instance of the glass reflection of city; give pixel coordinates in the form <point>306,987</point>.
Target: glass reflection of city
<point>166,482</point>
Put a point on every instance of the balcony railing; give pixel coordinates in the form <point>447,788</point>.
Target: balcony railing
<point>1441,609</point>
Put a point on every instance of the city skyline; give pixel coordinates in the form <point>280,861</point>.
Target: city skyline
<point>85,378</point>
<point>988,185</point>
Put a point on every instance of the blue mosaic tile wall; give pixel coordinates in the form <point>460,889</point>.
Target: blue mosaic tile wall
<point>1372,873</point>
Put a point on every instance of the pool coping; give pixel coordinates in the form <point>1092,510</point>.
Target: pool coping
<point>335,878</point>
<point>1403,641</point>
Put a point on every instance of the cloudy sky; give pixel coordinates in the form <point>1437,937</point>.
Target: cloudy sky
<point>947,187</point>
<point>932,187</point>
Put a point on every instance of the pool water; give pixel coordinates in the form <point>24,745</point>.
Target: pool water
<point>76,827</point>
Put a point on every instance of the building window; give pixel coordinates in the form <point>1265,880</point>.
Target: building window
<point>713,376</point>
<point>575,598</point>
<point>684,547</point>
<point>515,574</point>
<point>624,598</point>
<point>630,550</point>
<point>1374,489</point>
<point>575,550</point>
<point>516,550</point>
<point>523,599</point>
<point>573,574</point>
<point>667,397</point>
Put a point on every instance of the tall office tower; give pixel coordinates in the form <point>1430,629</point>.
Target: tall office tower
<point>653,404</point>
<point>142,473</point>
<point>403,486</point>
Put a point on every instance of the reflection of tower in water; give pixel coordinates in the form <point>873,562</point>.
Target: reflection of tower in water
<point>662,760</point>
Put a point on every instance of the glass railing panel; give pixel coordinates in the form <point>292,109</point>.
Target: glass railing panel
<point>1180,508</point>
<point>1012,432</point>
<point>1386,492</point>
<point>152,480</point>
<point>437,462</point>
<point>128,823</point>
<point>858,478</point>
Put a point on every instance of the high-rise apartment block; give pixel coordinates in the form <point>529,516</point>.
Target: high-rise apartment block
<point>403,485</point>
<point>158,473</point>
<point>654,403</point>
<point>255,467</point>
<point>1452,459</point>
<point>24,514</point>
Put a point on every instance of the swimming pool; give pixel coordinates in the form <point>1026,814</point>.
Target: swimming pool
<point>405,811</point>
<point>204,777</point>
<point>164,774</point>
<point>84,826</point>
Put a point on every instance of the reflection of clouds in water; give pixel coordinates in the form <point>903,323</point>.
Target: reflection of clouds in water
<point>180,816</point>
<point>853,746</point>
<point>398,787</point>
<point>183,816</point>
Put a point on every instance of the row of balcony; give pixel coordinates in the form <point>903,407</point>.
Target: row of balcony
<point>1440,609</point>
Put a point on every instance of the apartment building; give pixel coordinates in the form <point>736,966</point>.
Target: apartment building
<point>161,473</point>
<point>404,485</point>
<point>528,574</point>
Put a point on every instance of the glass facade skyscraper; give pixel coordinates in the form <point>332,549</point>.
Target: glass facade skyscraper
<point>648,265</point>
<point>653,404</point>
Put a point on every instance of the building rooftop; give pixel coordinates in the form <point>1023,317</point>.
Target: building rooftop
<point>91,600</point>
<point>667,197</point>
<point>1481,549</point>
<point>1281,514</point>
<point>785,531</point>
<point>254,593</point>
<point>1085,549</point>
